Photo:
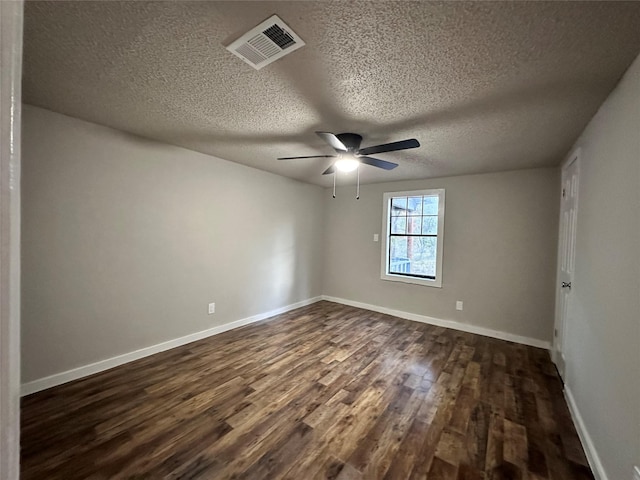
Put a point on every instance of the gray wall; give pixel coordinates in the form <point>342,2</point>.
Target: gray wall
<point>126,241</point>
<point>603,328</point>
<point>500,241</point>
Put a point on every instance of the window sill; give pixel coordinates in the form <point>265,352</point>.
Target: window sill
<point>425,282</point>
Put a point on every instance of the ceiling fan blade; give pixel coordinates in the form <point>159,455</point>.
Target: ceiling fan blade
<point>390,147</point>
<point>376,162</point>
<point>332,140</point>
<point>329,170</point>
<point>309,156</point>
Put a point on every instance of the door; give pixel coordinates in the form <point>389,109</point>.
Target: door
<point>566,257</point>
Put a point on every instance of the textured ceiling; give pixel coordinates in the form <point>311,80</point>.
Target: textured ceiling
<point>483,86</point>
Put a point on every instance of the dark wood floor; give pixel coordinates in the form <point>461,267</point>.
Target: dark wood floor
<point>325,391</point>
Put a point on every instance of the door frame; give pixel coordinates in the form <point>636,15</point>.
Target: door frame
<point>560,324</point>
<point>11,21</point>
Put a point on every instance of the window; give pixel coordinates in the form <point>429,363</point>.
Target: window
<point>413,226</point>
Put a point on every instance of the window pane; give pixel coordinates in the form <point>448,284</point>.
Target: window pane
<point>430,205</point>
<point>399,225</point>
<point>398,206</point>
<point>413,256</point>
<point>398,259</point>
<point>414,206</point>
<point>414,224</point>
<point>429,225</point>
<point>422,255</point>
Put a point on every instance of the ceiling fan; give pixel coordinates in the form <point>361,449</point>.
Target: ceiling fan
<point>350,155</point>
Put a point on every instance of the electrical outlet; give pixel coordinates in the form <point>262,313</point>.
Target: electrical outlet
<point>459,305</point>
<point>375,237</point>
<point>212,308</point>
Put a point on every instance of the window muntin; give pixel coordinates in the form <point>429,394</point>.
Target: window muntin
<point>413,236</point>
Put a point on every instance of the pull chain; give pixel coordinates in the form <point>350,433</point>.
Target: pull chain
<point>358,185</point>
<point>334,183</point>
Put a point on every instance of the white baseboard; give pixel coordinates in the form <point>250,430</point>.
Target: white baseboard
<point>86,370</point>
<point>636,473</point>
<point>464,327</point>
<point>585,438</point>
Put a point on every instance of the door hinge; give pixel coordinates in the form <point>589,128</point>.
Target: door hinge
<point>564,193</point>
<point>555,332</point>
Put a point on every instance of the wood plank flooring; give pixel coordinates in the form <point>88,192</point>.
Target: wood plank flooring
<point>322,392</point>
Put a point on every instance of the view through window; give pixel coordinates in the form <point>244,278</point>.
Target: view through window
<point>413,234</point>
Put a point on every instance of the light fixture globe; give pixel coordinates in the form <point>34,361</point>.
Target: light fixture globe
<point>347,164</point>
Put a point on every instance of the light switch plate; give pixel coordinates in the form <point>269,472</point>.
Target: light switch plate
<point>212,308</point>
<point>375,237</point>
<point>458,305</point>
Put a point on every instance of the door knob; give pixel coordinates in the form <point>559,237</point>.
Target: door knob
<point>566,284</point>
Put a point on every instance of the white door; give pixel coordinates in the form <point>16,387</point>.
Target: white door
<point>566,256</point>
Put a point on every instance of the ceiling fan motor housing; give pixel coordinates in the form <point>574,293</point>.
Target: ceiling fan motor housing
<point>350,140</point>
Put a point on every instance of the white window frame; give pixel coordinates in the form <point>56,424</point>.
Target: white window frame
<point>384,272</point>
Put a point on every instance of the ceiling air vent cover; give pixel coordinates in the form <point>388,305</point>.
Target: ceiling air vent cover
<point>266,43</point>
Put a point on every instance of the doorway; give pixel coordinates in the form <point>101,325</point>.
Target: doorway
<point>566,256</point>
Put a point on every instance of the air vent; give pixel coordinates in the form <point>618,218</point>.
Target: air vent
<point>266,43</point>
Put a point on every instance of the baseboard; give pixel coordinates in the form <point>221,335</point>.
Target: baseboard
<point>636,473</point>
<point>585,438</point>
<point>86,370</point>
<point>464,327</point>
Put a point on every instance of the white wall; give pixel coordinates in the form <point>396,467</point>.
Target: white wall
<point>603,328</point>
<point>500,240</point>
<point>126,241</point>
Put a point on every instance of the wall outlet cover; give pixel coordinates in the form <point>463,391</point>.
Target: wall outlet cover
<point>212,308</point>
<point>458,305</point>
